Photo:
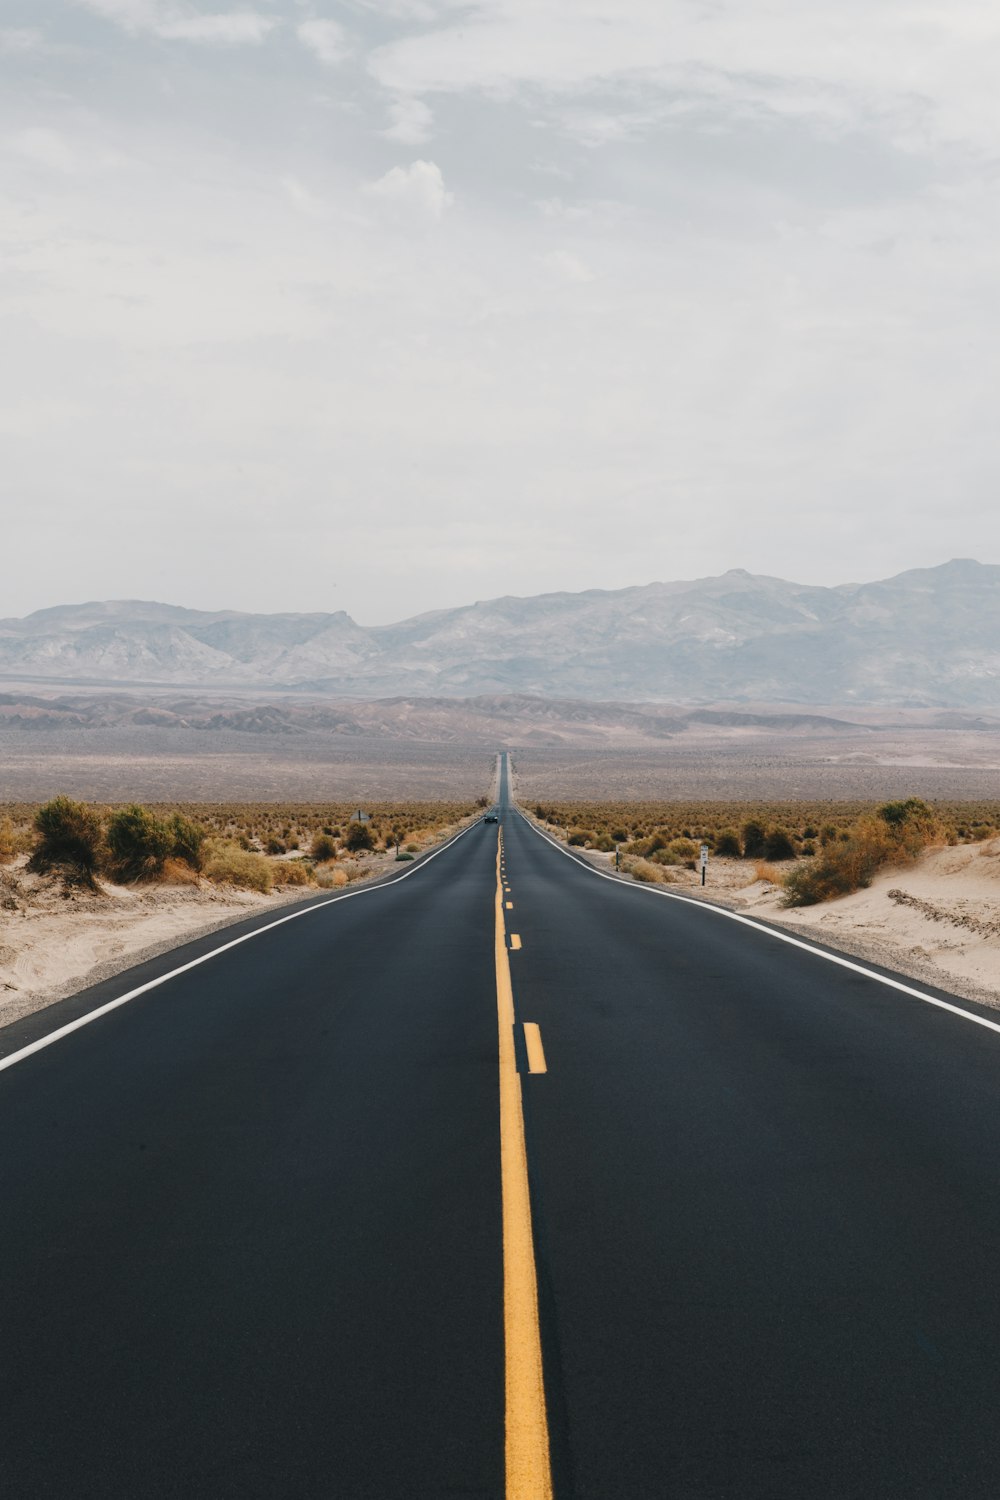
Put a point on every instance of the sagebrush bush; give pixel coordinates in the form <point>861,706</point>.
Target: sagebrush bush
<point>778,845</point>
<point>227,864</point>
<point>896,834</point>
<point>137,842</point>
<point>359,836</point>
<point>8,842</point>
<point>329,879</point>
<point>754,836</point>
<point>188,840</point>
<point>69,839</point>
<point>292,872</point>
<point>728,843</point>
<point>324,847</point>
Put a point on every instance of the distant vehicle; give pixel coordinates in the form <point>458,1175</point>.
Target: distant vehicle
<point>491,818</point>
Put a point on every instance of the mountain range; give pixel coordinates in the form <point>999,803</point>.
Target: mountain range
<point>928,637</point>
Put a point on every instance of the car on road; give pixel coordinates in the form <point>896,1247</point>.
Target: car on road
<point>491,818</point>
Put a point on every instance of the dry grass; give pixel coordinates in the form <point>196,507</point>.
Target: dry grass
<point>227,863</point>
<point>178,872</point>
<point>772,874</point>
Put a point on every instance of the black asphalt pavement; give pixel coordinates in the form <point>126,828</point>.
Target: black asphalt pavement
<point>250,1222</point>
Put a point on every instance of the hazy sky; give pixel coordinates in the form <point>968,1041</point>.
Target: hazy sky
<point>393,304</point>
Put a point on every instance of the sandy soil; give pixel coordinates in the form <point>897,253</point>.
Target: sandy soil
<point>937,921</point>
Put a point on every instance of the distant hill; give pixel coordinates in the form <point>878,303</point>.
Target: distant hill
<point>925,638</point>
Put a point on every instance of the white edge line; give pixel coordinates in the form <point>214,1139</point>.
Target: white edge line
<point>782,937</point>
<point>152,984</point>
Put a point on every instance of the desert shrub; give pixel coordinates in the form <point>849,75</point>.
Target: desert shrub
<point>187,840</point>
<point>895,835</point>
<point>603,843</point>
<point>754,836</point>
<point>728,843</point>
<point>646,872</point>
<point>403,855</point>
<point>328,879</point>
<point>683,850</point>
<point>138,842</point>
<point>177,872</point>
<point>8,842</point>
<point>323,848</point>
<point>226,863</point>
<point>580,837</point>
<point>619,835</point>
<point>897,814</point>
<point>413,848</point>
<point>359,836</point>
<point>778,845</point>
<point>68,840</point>
<point>292,872</point>
<point>769,873</point>
<point>274,846</point>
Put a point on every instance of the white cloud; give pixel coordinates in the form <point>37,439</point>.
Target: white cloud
<point>916,73</point>
<point>182,23</point>
<point>305,201</point>
<point>43,148</point>
<point>412,122</point>
<point>418,188</point>
<point>568,266</point>
<point>16,39</point>
<point>326,39</point>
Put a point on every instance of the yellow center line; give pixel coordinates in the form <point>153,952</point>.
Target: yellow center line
<point>536,1052</point>
<point>515,941</point>
<point>509,905</point>
<point>526,1422</point>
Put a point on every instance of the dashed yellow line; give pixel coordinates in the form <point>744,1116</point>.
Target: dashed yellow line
<point>509,905</point>
<point>515,941</point>
<point>536,1052</point>
<point>528,1470</point>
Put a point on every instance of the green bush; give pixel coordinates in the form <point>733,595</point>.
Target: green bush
<point>188,840</point>
<point>68,840</point>
<point>778,845</point>
<point>728,843</point>
<point>138,842</point>
<point>359,836</point>
<point>754,836</point>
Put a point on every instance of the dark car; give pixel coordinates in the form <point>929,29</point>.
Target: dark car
<point>491,818</point>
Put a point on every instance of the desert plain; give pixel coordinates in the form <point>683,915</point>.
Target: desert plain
<point>937,920</point>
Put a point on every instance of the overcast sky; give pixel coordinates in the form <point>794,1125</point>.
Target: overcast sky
<point>389,305</point>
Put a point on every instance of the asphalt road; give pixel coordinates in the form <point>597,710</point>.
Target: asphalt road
<point>251,1221</point>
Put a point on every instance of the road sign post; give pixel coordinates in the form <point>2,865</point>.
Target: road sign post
<point>704,862</point>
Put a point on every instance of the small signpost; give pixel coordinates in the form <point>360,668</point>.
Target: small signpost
<point>704,862</point>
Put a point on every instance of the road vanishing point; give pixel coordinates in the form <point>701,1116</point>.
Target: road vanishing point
<point>501,1179</point>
